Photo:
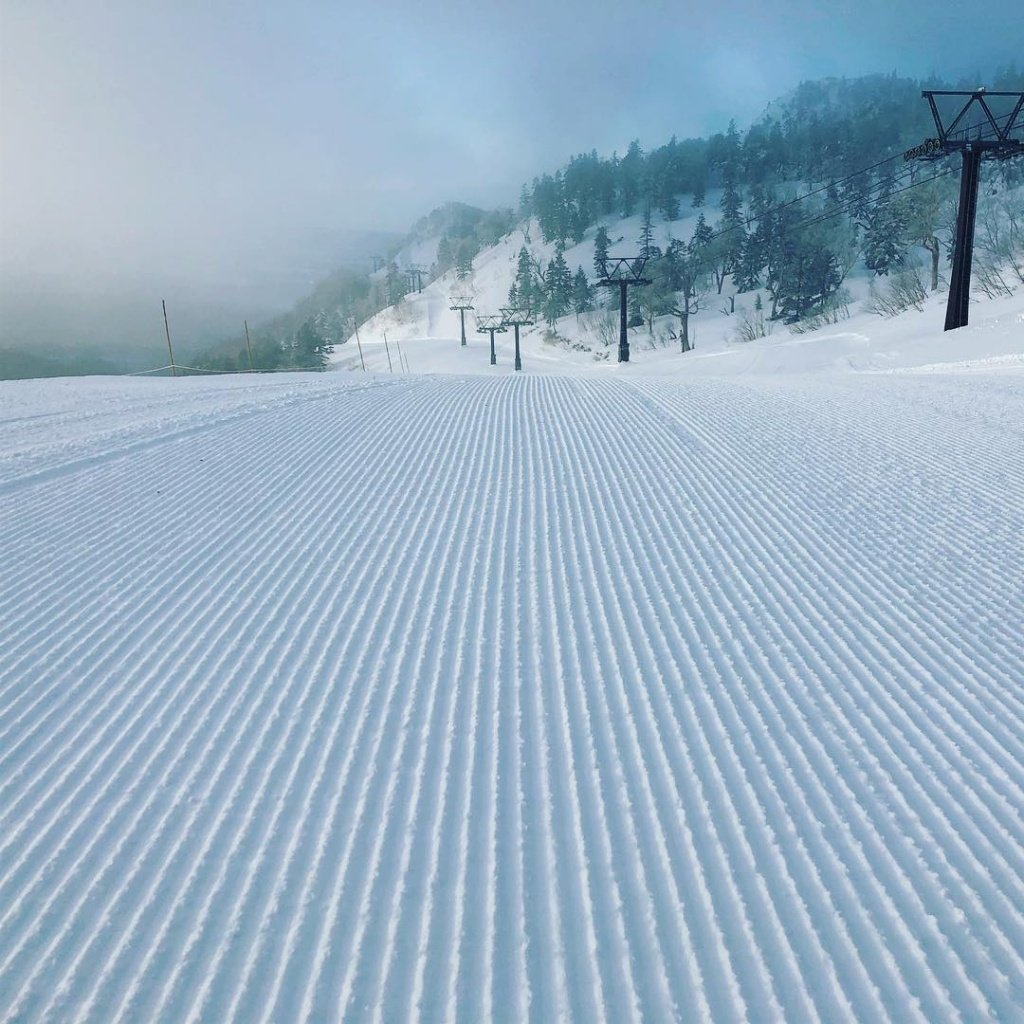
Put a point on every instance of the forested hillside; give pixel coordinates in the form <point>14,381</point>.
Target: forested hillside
<point>818,183</point>
<point>784,210</point>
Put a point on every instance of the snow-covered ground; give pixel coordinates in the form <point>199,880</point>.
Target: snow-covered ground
<point>686,690</point>
<point>424,332</point>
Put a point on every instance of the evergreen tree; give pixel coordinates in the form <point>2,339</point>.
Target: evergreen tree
<point>646,234</point>
<point>394,284</point>
<point>560,277</point>
<point>884,248</point>
<point>747,274</point>
<point>732,157</point>
<point>465,252</point>
<point>558,287</point>
<point>549,207</point>
<point>527,289</point>
<point>445,254</point>
<point>665,189</point>
<point>309,346</point>
<point>754,253</point>
<point>582,292</point>
<point>630,170</point>
<point>600,250</point>
<point>731,228</point>
<point>808,275</point>
<point>525,203</point>
<point>702,240</point>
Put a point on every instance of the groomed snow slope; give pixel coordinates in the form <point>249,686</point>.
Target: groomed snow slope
<point>607,697</point>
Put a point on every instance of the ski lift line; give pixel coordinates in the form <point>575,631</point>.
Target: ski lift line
<point>850,205</point>
<point>847,207</point>
<point>876,186</point>
<point>747,221</point>
<point>835,213</point>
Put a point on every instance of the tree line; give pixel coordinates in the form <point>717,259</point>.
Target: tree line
<point>796,252</point>
<point>795,255</point>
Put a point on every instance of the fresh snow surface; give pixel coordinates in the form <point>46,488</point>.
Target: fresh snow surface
<point>688,690</point>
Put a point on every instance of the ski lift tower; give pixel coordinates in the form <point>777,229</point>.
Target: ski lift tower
<point>491,323</point>
<point>516,318</point>
<point>462,299</point>
<point>623,273</point>
<point>978,125</point>
<point>415,274</point>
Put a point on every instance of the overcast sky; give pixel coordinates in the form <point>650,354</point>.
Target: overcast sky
<point>140,134</point>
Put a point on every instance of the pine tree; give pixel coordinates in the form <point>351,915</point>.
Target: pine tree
<point>526,287</point>
<point>747,273</point>
<point>754,253</point>
<point>808,275</point>
<point>465,252</point>
<point>582,292</point>
<point>731,229</point>
<point>310,346</point>
<point>646,234</point>
<point>394,284</point>
<point>665,193</point>
<point>630,170</point>
<point>525,203</point>
<point>560,277</point>
<point>731,154</point>
<point>884,249</point>
<point>549,207</point>
<point>600,250</point>
<point>702,238</point>
<point>445,254</point>
<point>558,287</point>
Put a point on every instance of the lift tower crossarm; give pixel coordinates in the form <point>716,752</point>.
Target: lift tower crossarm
<point>955,137</point>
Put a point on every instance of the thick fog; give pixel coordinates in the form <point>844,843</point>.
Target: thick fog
<point>227,153</point>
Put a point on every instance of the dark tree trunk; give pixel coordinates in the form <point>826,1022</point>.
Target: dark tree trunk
<point>932,245</point>
<point>684,331</point>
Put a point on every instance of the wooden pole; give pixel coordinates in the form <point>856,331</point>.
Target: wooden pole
<point>167,331</point>
<point>388,351</point>
<point>247,345</point>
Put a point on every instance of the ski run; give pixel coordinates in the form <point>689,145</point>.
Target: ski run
<point>578,696</point>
